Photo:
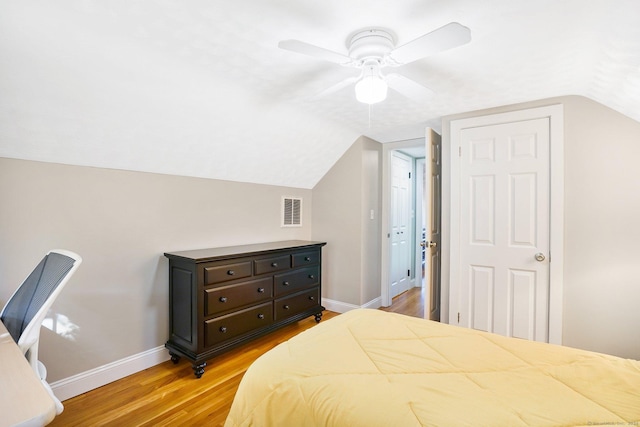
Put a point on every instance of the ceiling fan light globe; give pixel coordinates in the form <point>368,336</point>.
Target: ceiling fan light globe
<point>371,90</point>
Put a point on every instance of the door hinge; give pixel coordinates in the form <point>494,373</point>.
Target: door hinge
<point>408,273</point>
<point>458,317</point>
<point>409,175</point>
<point>459,151</point>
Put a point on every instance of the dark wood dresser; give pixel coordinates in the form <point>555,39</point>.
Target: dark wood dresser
<point>220,298</point>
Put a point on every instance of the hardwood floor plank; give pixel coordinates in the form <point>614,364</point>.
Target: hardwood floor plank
<point>169,395</point>
<point>410,303</point>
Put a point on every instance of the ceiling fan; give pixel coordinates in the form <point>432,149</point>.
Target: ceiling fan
<point>372,49</point>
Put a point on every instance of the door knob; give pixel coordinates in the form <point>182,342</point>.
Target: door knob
<point>432,244</point>
<point>540,257</point>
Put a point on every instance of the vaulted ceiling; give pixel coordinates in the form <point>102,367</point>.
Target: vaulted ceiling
<point>200,87</point>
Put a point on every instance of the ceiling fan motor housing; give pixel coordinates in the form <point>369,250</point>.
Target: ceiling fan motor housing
<point>371,43</point>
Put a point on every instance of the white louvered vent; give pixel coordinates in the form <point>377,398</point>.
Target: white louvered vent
<point>291,212</point>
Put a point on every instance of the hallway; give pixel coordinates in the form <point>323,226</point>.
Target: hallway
<point>410,302</point>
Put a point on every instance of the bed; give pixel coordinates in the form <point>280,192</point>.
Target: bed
<point>373,368</point>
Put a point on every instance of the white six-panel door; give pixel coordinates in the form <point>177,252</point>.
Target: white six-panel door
<point>400,223</point>
<point>504,229</point>
<point>433,224</point>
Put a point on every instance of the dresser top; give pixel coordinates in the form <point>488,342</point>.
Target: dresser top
<point>212,254</point>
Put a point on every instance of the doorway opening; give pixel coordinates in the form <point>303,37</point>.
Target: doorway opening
<point>403,266</point>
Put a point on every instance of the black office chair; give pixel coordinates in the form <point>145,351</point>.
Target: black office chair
<point>23,314</point>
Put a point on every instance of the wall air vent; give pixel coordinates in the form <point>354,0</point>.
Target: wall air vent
<point>291,212</point>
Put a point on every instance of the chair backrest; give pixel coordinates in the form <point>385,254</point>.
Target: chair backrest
<point>26,309</point>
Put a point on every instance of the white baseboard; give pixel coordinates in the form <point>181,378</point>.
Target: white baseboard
<point>374,303</point>
<point>343,307</point>
<point>85,381</point>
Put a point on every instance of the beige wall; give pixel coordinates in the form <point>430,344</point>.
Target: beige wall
<point>343,200</point>
<point>601,232</point>
<point>121,223</point>
<point>371,202</point>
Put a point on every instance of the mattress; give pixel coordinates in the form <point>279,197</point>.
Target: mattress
<point>374,368</point>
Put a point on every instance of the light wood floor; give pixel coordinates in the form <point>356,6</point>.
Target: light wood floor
<point>170,395</point>
<point>410,303</point>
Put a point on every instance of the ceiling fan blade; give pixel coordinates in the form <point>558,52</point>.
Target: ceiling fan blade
<point>446,37</point>
<point>315,51</point>
<point>336,87</point>
<point>407,87</point>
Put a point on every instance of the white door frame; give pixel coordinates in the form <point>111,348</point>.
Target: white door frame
<point>450,223</point>
<point>385,219</point>
<point>419,213</point>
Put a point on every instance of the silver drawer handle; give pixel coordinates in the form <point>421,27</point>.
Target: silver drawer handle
<point>223,299</point>
<point>260,316</point>
<point>274,264</point>
<point>260,290</point>
<point>231,272</point>
<point>223,329</point>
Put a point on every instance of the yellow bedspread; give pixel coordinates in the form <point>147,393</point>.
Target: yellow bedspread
<point>373,368</point>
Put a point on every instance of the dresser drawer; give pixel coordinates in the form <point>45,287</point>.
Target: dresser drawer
<point>223,272</point>
<point>288,306</point>
<point>225,298</point>
<point>296,280</point>
<point>305,258</point>
<point>226,327</point>
<point>271,265</point>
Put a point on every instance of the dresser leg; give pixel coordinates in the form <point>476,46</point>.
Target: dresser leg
<point>318,317</point>
<point>174,358</point>
<point>198,369</point>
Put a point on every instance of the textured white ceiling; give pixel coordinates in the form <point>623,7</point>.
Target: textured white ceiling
<point>200,88</point>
